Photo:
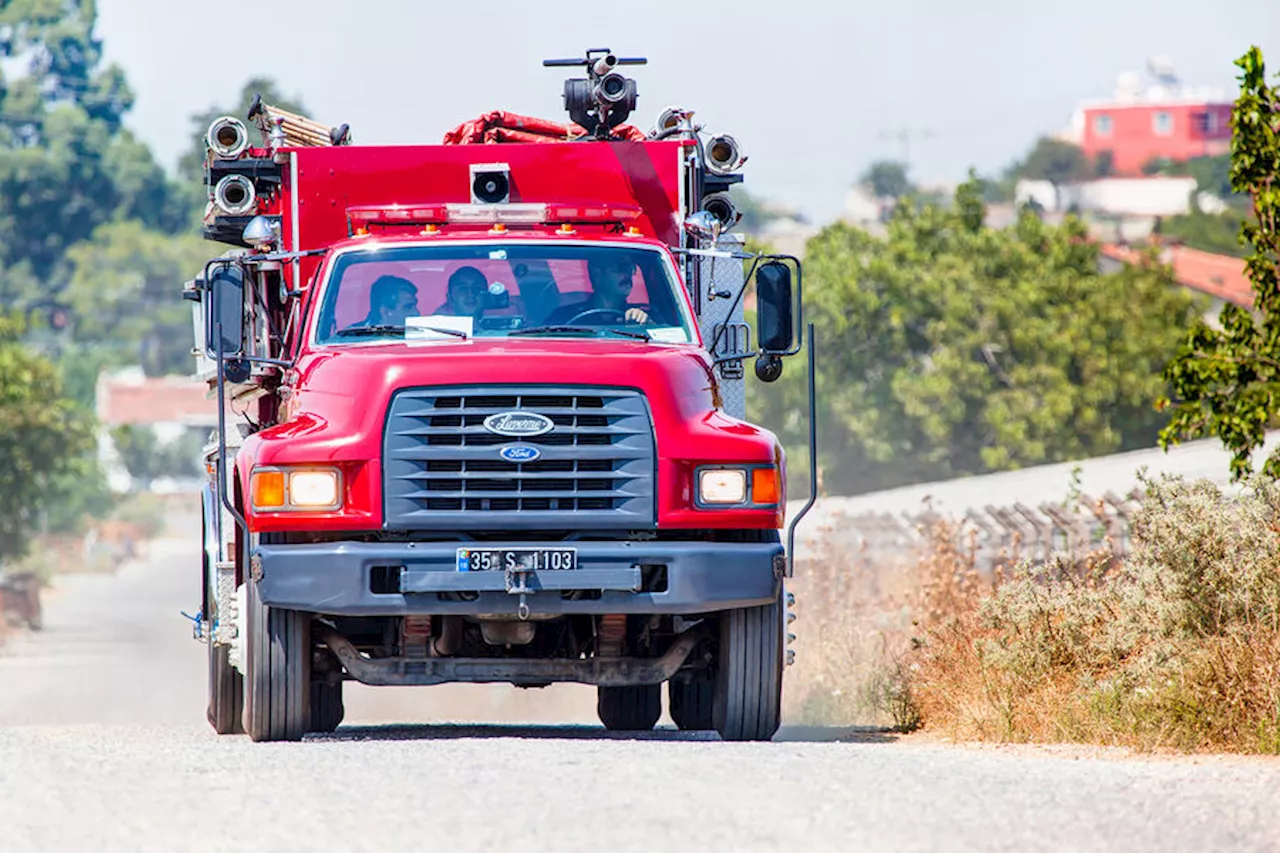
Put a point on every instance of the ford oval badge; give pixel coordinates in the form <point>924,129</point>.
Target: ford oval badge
<point>519,453</point>
<point>518,424</point>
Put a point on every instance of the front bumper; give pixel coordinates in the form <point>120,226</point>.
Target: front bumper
<point>339,578</point>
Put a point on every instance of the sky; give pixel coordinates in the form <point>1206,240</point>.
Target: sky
<point>813,92</point>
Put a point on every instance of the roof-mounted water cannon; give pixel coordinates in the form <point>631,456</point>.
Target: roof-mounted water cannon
<point>605,97</point>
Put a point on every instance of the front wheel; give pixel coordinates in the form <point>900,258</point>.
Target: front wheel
<point>278,670</point>
<point>748,688</point>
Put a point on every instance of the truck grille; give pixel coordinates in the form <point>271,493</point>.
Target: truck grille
<point>443,469</point>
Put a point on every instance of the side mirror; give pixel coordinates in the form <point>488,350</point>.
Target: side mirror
<point>224,303</point>
<point>776,330</point>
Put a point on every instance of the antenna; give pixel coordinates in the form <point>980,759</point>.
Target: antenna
<point>904,135</point>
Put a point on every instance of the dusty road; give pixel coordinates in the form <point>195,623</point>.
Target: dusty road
<point>103,747</point>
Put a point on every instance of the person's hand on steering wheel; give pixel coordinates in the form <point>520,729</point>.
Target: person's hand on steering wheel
<point>631,315</point>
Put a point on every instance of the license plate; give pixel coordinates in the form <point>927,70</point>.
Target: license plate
<point>517,559</point>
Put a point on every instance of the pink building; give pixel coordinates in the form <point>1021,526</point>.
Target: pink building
<point>1163,120</point>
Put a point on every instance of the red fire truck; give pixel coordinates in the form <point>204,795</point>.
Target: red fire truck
<point>482,417</point>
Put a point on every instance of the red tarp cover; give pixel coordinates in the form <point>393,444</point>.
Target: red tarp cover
<point>499,126</point>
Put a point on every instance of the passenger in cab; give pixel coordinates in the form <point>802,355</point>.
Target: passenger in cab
<point>392,300</point>
<point>466,294</point>
<point>611,282</point>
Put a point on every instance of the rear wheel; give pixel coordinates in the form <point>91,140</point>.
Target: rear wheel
<point>278,670</point>
<point>327,709</point>
<point>634,708</point>
<point>691,702</point>
<point>226,684</point>
<point>748,685</point>
<point>226,693</point>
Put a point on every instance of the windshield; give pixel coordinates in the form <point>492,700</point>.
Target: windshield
<point>488,290</point>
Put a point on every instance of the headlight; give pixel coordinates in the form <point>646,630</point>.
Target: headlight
<point>285,489</point>
<point>722,486</point>
<point>747,486</point>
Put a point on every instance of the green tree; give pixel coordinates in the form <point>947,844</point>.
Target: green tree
<point>1209,232</point>
<point>950,348</point>
<point>147,459</point>
<point>123,289</point>
<point>1226,381</point>
<point>1057,162</point>
<point>44,440</point>
<point>65,164</point>
<point>887,179</point>
<point>755,213</point>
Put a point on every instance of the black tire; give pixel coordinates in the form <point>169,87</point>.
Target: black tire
<point>327,709</point>
<point>278,671</point>
<point>629,709</point>
<point>692,702</point>
<point>748,686</point>
<point>226,693</point>
<point>225,710</point>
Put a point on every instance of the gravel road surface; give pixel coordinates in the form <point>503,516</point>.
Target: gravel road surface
<point>103,747</point>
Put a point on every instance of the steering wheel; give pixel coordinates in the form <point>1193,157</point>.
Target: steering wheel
<point>621,316</point>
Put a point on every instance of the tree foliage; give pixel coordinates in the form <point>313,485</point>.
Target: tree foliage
<point>147,458</point>
<point>66,166</point>
<point>1209,232</point>
<point>43,439</point>
<point>950,348</point>
<point>123,289</point>
<point>1226,381</point>
<point>886,179</point>
<point>1055,161</point>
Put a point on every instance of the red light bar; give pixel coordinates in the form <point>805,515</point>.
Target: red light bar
<point>360,217</point>
<point>396,214</point>
<point>592,213</point>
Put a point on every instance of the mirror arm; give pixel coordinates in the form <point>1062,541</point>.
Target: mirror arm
<point>221,485</point>
<point>736,356</point>
<point>282,256</point>
<point>813,458</point>
<point>715,253</point>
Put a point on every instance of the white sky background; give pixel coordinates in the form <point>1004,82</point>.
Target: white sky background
<point>807,88</point>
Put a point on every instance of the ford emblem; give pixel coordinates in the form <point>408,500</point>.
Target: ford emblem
<point>519,453</point>
<point>518,424</point>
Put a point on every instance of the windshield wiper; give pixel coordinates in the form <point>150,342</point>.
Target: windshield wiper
<point>385,329</point>
<point>640,335</point>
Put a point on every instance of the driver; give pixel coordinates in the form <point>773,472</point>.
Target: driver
<point>611,282</point>
<point>465,297</point>
<point>392,300</point>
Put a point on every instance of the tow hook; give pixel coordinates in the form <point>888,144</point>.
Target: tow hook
<point>517,585</point>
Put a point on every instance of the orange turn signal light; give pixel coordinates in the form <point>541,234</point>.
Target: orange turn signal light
<point>267,489</point>
<point>764,485</point>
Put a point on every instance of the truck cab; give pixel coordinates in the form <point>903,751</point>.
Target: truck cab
<point>490,421</point>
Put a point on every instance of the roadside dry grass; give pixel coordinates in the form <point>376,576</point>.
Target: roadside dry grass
<point>1176,648</point>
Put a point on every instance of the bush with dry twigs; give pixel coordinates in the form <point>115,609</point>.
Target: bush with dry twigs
<point>1176,647</point>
